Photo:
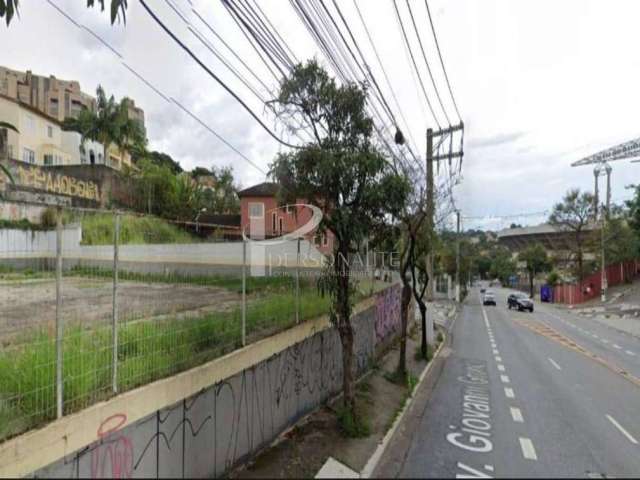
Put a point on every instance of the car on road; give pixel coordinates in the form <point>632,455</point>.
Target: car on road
<point>482,290</point>
<point>520,302</point>
<point>489,299</point>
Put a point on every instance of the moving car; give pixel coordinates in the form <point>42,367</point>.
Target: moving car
<point>482,290</point>
<point>519,301</point>
<point>488,299</point>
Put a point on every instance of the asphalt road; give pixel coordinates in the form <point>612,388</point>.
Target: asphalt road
<point>546,394</point>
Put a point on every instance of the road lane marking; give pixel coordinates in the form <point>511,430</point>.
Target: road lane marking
<point>595,336</point>
<point>504,379</point>
<point>629,352</point>
<point>501,368</point>
<point>495,352</point>
<point>498,359</point>
<point>554,364</point>
<point>528,451</point>
<point>605,341</point>
<point>616,346</point>
<point>622,430</point>
<point>516,414</point>
<point>509,392</point>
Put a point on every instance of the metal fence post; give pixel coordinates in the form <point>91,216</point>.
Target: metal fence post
<point>114,309</point>
<point>59,320</point>
<point>298,282</point>
<point>244,292</point>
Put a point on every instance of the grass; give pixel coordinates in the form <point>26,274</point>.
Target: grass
<point>351,427</point>
<point>97,229</point>
<point>419,356</point>
<point>147,351</point>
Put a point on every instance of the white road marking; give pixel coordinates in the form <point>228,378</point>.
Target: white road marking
<point>509,393</point>
<point>489,467</point>
<point>554,364</point>
<point>501,368</point>
<point>622,430</point>
<point>629,352</point>
<point>595,336</point>
<point>528,451</point>
<point>605,341</point>
<point>495,352</point>
<point>504,379</point>
<point>516,414</point>
<point>615,345</point>
<point>498,359</point>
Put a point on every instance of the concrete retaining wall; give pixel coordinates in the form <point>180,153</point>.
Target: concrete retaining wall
<point>211,427</point>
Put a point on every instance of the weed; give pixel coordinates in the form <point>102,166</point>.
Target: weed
<point>440,338</point>
<point>352,427</point>
<point>419,356</point>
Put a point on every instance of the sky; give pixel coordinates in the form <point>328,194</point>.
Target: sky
<point>539,84</point>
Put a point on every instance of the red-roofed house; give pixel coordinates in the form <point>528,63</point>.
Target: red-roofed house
<point>259,206</point>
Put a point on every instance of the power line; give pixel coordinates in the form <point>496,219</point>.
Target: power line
<point>413,60</point>
<point>213,75</point>
<point>435,37</point>
<point>424,56</point>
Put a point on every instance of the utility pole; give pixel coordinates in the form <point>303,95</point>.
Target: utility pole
<point>431,210</point>
<point>458,256</point>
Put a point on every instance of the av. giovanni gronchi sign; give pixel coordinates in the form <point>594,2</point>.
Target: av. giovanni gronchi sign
<point>52,182</point>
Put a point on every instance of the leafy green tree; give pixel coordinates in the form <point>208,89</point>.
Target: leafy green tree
<point>574,214</point>
<point>502,265</point>
<point>108,124</point>
<point>536,261</point>
<point>8,8</point>
<point>342,173</point>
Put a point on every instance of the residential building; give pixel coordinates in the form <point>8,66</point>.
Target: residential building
<point>56,98</point>
<point>41,140</point>
<point>259,210</point>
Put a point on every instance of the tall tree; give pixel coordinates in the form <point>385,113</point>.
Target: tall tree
<point>536,261</point>
<point>574,214</point>
<point>108,124</point>
<point>8,8</point>
<point>342,173</point>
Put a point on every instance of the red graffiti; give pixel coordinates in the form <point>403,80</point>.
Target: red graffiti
<point>113,455</point>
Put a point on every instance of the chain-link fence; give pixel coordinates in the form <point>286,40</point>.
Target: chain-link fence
<point>93,304</point>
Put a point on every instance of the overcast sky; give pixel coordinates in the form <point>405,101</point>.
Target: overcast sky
<point>539,84</point>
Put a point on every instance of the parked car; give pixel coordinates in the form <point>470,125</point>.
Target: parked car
<point>482,290</point>
<point>489,299</point>
<point>519,301</point>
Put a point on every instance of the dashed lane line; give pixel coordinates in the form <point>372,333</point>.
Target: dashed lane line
<point>501,367</point>
<point>616,346</point>
<point>504,379</point>
<point>498,358</point>
<point>509,393</point>
<point>622,430</point>
<point>495,352</point>
<point>528,450</point>
<point>553,362</point>
<point>516,414</point>
<point>629,352</point>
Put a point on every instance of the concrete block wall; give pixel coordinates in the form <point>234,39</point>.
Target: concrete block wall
<point>208,432</point>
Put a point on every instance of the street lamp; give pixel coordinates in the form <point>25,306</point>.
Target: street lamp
<point>202,210</point>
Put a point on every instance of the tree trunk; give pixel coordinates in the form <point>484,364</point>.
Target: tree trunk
<point>404,321</point>
<point>423,318</point>
<point>345,329</point>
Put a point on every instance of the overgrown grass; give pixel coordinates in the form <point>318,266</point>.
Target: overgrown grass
<point>147,351</point>
<point>419,356</point>
<point>351,427</point>
<point>97,229</point>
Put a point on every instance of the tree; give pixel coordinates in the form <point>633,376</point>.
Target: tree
<point>342,173</point>
<point>502,265</point>
<point>536,261</point>
<point>108,124</point>
<point>574,215</point>
<point>8,8</point>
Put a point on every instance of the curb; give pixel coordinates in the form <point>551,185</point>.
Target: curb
<point>374,460</point>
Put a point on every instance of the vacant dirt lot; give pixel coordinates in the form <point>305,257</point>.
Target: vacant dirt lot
<point>89,301</point>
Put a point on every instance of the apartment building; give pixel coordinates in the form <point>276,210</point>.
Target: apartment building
<point>55,98</point>
<point>42,142</point>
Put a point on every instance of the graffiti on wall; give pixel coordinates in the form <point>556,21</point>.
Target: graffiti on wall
<point>206,434</point>
<point>387,313</point>
<point>40,179</point>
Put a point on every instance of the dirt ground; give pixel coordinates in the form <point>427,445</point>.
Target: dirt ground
<point>87,301</point>
<point>303,450</point>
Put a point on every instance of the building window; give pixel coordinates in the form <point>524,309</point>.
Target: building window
<point>49,131</point>
<point>273,222</point>
<point>325,239</point>
<point>291,209</point>
<point>28,156</point>
<point>31,124</point>
<point>48,159</point>
<point>256,210</point>
<point>280,225</point>
<point>317,239</point>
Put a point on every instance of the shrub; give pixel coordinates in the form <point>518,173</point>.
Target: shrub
<point>352,427</point>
